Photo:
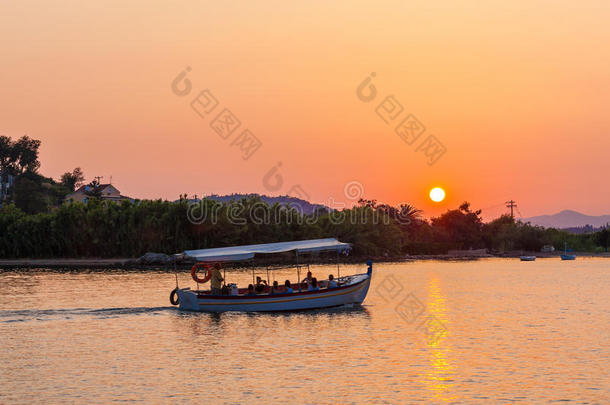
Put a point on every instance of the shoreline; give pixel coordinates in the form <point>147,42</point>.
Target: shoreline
<point>134,264</point>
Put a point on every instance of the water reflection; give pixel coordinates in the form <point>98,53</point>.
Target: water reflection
<point>99,337</point>
<point>439,379</point>
<point>15,281</point>
<point>252,327</point>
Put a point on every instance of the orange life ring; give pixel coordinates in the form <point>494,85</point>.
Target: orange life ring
<point>208,272</point>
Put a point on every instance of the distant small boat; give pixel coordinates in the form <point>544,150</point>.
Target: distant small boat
<point>527,258</point>
<point>565,255</point>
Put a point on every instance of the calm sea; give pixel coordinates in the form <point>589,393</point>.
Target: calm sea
<point>487,331</point>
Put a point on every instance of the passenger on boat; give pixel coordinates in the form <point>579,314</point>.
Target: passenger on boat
<point>306,283</point>
<point>275,289</point>
<point>288,287</point>
<point>331,281</point>
<point>251,290</point>
<point>216,280</point>
<point>314,285</point>
<point>260,284</point>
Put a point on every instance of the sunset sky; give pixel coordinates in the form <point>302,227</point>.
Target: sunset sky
<point>517,92</point>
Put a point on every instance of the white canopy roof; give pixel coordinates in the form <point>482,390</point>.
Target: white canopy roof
<point>236,253</point>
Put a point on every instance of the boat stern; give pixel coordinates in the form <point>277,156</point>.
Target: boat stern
<point>187,299</point>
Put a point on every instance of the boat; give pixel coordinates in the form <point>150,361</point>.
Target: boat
<point>565,255</point>
<point>527,258</point>
<point>349,290</point>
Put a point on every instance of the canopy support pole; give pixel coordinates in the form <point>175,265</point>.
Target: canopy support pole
<point>268,279</point>
<point>338,271</point>
<point>298,271</point>
<point>176,272</point>
<point>253,281</point>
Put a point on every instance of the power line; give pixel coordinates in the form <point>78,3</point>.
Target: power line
<point>520,214</point>
<point>493,206</point>
<point>512,205</point>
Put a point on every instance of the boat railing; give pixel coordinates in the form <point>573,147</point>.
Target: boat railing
<point>301,270</point>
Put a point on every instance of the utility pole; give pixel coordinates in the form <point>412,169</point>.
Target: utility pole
<point>511,204</point>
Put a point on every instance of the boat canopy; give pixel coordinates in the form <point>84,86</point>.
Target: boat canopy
<point>237,253</point>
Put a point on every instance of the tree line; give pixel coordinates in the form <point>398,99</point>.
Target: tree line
<point>36,222</point>
<point>130,229</point>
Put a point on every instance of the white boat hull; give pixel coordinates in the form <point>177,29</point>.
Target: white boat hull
<point>352,293</point>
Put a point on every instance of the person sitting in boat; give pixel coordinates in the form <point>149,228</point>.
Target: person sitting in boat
<point>314,285</point>
<point>331,282</point>
<point>288,287</point>
<point>251,290</point>
<point>260,285</point>
<point>275,289</point>
<point>306,283</point>
<point>216,280</point>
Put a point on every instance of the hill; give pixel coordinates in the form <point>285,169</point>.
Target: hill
<point>302,205</point>
<point>568,219</point>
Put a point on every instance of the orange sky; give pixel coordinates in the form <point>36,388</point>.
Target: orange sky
<point>517,93</point>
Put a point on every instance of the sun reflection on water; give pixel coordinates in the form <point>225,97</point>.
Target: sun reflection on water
<point>439,379</point>
<point>445,333</point>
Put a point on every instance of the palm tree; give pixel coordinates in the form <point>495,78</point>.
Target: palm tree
<point>408,214</point>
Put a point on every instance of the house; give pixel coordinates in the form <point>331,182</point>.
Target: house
<point>108,192</point>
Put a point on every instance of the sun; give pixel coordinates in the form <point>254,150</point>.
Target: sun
<point>437,194</point>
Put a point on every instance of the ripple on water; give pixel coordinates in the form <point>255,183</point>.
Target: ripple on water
<point>510,335</point>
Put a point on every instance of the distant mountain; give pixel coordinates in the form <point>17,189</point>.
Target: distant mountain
<point>304,206</point>
<point>568,219</point>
